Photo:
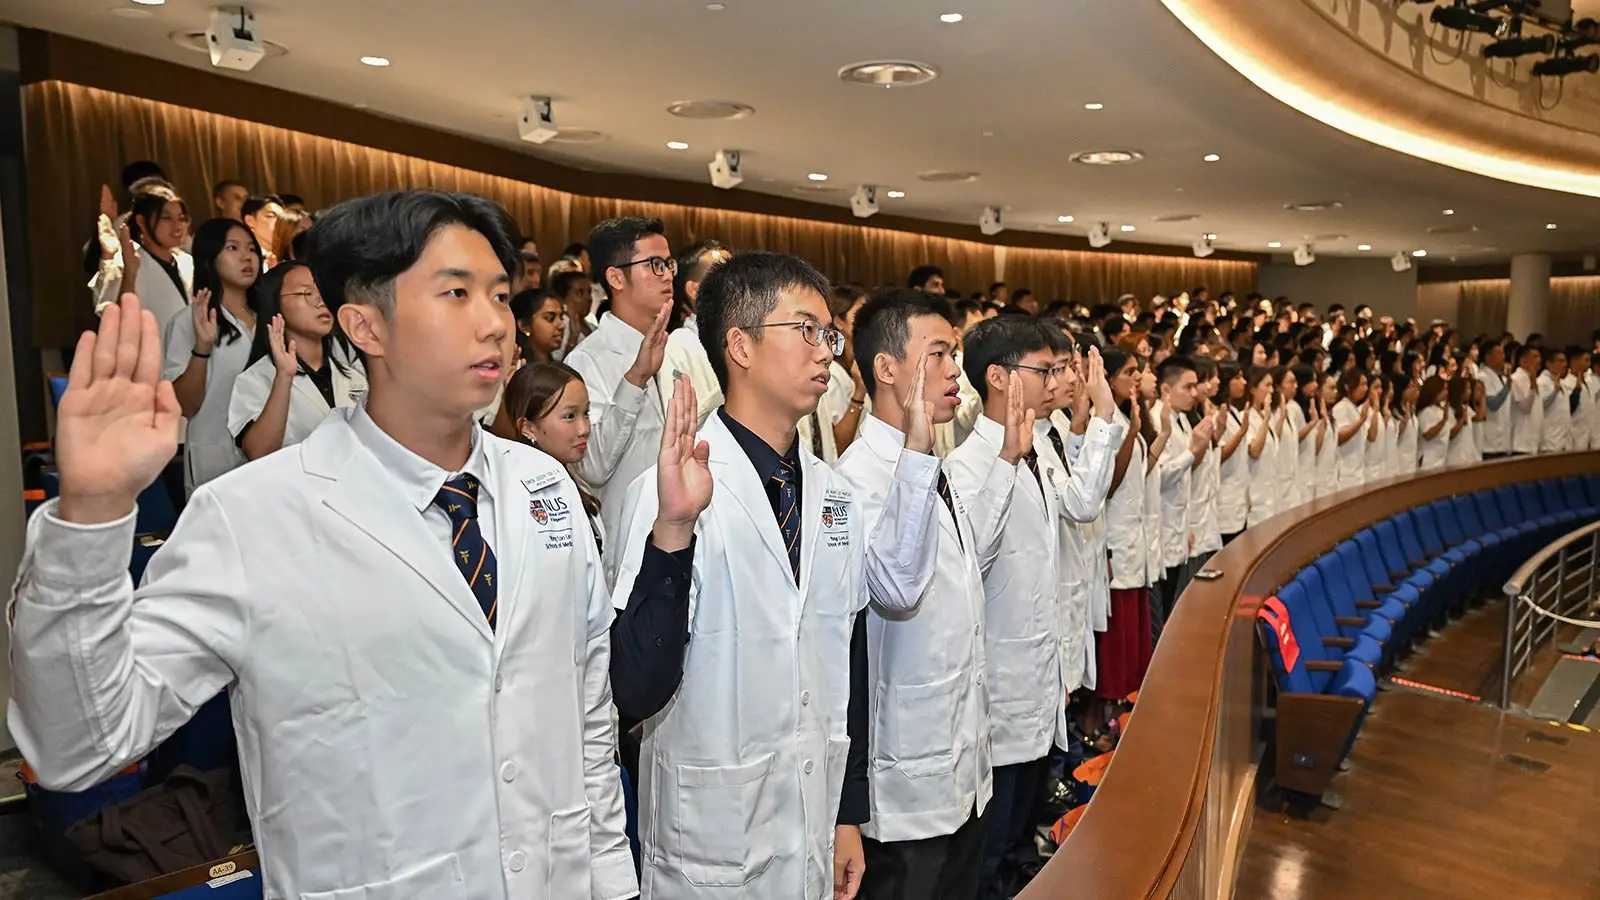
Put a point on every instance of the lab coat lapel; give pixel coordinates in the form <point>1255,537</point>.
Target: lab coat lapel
<point>513,527</point>
<point>812,493</point>
<point>363,496</point>
<point>731,470</point>
<point>309,394</point>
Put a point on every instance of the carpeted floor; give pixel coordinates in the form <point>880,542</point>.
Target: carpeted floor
<point>23,874</point>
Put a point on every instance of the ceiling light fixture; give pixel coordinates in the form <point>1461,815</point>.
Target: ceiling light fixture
<point>1211,157</point>
<point>888,73</point>
<point>1449,212</point>
<point>1419,253</point>
<point>817,176</point>
<point>1106,157</point>
<point>1064,219</point>
<point>149,2</point>
<point>896,195</point>
<point>1127,228</point>
<point>710,109</point>
<point>1211,237</point>
<point>950,18</point>
<point>677,145</point>
<point>716,7</point>
<point>1094,106</point>
<point>1363,246</point>
<point>378,61</point>
<point>1274,244</point>
<point>1550,226</point>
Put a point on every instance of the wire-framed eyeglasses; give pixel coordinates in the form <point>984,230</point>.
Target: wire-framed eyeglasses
<point>814,333</point>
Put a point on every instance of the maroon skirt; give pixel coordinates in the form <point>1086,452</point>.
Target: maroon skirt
<point>1122,651</point>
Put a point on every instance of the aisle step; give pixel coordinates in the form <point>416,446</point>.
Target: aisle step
<point>1569,683</point>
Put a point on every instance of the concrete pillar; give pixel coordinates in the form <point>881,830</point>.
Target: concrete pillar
<point>1529,308</point>
<point>12,519</point>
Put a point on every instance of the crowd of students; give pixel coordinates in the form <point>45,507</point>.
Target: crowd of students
<point>877,559</point>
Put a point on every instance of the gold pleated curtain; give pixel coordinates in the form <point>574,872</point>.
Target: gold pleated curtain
<point>1485,304</point>
<point>1574,311</point>
<point>79,138</point>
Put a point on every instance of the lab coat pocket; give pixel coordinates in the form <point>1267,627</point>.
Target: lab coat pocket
<point>1021,666</point>
<point>923,718</point>
<point>437,878</point>
<point>569,864</point>
<point>724,827</point>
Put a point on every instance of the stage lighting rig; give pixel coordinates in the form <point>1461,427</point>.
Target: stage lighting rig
<point>1559,66</point>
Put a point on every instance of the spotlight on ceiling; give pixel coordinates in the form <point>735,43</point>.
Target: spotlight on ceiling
<point>725,171</point>
<point>1203,245</point>
<point>1305,255</point>
<point>1099,234</point>
<point>537,123</point>
<point>1400,262</point>
<point>864,202</point>
<point>1464,16</point>
<point>990,222</point>
<point>1513,47</point>
<point>1559,66</point>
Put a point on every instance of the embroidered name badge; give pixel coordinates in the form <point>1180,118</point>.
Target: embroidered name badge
<point>540,481</point>
<point>838,495</point>
<point>552,511</point>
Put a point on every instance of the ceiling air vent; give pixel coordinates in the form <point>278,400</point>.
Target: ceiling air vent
<point>710,109</point>
<point>578,136</point>
<point>948,176</point>
<point>1318,206</point>
<point>888,73</point>
<point>1177,217</point>
<point>1106,157</point>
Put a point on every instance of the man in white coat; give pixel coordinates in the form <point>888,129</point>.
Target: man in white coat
<point>621,362</point>
<point>753,689</point>
<point>406,611</point>
<point>1022,621</point>
<point>1179,384</point>
<point>1527,410</point>
<point>930,775</point>
<point>1555,433</point>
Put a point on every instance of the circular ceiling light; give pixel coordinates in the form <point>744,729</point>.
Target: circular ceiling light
<point>677,145</point>
<point>1211,157</point>
<point>198,42</point>
<point>1551,226</point>
<point>816,176</point>
<point>1211,237</point>
<point>1363,246</point>
<point>1106,157</point>
<point>149,2</point>
<point>948,176</point>
<point>1094,107</point>
<point>716,7</point>
<point>1274,244</point>
<point>1317,206</point>
<point>375,61</point>
<point>1419,253</point>
<point>1449,212</point>
<point>578,136</point>
<point>950,18</point>
<point>1128,228</point>
<point>710,109</point>
<point>1176,217</point>
<point>888,73</point>
<point>896,195</point>
<point>1064,220</point>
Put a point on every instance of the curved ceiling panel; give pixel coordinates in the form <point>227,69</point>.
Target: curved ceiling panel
<point>1347,85</point>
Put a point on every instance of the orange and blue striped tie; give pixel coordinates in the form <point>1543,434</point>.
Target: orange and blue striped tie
<point>788,511</point>
<point>459,500</point>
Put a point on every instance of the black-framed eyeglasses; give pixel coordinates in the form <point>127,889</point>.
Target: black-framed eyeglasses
<point>813,332</point>
<point>659,267</point>
<point>1048,373</point>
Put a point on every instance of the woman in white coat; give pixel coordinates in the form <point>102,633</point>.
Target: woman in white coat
<point>146,254</point>
<point>1405,419</point>
<point>1434,421</point>
<point>296,373</point>
<point>1124,649</point>
<point>1328,444</point>
<point>1352,417</point>
<point>205,351</point>
<point>1263,447</point>
<point>1290,433</point>
<point>1233,501</point>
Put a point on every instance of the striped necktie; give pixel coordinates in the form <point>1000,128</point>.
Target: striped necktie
<point>1059,444</point>
<point>787,508</point>
<point>459,500</point>
<point>950,503</point>
<point>1032,459</point>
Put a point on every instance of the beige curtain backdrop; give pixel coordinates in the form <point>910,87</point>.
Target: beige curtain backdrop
<point>79,138</point>
<point>1571,317</point>
<point>1484,307</point>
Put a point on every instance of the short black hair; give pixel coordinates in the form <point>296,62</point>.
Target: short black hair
<point>996,286</point>
<point>612,242</point>
<point>561,285</point>
<point>255,204</point>
<point>742,292</point>
<point>574,251</point>
<point>883,325</point>
<point>1020,293</point>
<point>219,187</point>
<point>1173,367</point>
<point>1001,341</point>
<point>361,246</point>
<point>139,170</point>
<point>693,264</point>
<point>964,308</point>
<point>291,200</point>
<point>921,275</point>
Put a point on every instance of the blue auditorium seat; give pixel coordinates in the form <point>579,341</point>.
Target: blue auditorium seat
<point>1313,672</point>
<point>1304,597</point>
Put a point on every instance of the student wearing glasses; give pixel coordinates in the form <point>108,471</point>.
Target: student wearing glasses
<point>298,371</point>
<point>621,361</point>
<point>753,772</point>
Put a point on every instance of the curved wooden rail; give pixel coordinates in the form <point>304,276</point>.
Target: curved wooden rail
<point>1172,815</point>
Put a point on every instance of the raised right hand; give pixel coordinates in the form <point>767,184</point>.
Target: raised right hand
<point>652,350</point>
<point>205,321</point>
<point>683,474</point>
<point>1019,423</point>
<point>117,426</point>
<point>282,347</point>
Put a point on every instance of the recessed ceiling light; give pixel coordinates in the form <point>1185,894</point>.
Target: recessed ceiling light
<point>677,145</point>
<point>1094,106</point>
<point>1419,253</point>
<point>1063,219</point>
<point>1106,157</point>
<point>130,12</point>
<point>1449,212</point>
<point>1212,157</point>
<point>149,2</point>
<point>1211,237</point>
<point>1129,228</point>
<point>379,61</point>
<point>950,18</point>
<point>947,176</point>
<point>716,7</point>
<point>888,73</point>
<point>1274,244</point>
<point>1363,246</point>
<point>1551,226</point>
<point>896,195</point>
<point>710,109</point>
<point>1314,206</point>
<point>817,176</point>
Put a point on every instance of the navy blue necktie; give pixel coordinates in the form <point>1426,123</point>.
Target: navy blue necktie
<point>788,511</point>
<point>1032,459</point>
<point>950,502</point>
<point>459,500</point>
<point>1060,444</point>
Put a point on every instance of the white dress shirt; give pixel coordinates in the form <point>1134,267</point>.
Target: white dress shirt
<point>1352,460</point>
<point>1527,413</point>
<point>1555,434</point>
<point>1175,468</point>
<point>687,355</point>
<point>1125,520</point>
<point>1233,502</point>
<point>1433,451</point>
<point>1496,433</point>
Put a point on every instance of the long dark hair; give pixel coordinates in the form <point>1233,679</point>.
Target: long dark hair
<point>1115,358</point>
<point>148,207</point>
<point>209,240</point>
<point>532,393</point>
<point>1303,375</point>
<point>269,303</point>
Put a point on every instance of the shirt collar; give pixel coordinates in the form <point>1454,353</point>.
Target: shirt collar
<point>765,459</point>
<point>419,478</point>
<point>618,334</point>
<point>990,430</point>
<point>882,436</point>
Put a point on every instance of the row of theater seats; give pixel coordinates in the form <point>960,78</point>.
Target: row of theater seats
<point>1351,615</point>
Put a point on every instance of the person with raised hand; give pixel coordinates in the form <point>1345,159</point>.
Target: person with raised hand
<point>930,773</point>
<point>407,613</point>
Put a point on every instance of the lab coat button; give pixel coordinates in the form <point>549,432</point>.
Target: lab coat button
<point>977,629</point>
<point>499,682</point>
<point>517,861</point>
<point>805,698</point>
<point>809,766</point>
<point>508,771</point>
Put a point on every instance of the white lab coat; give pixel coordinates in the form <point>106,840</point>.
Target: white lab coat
<point>1351,471</point>
<point>1555,434</point>
<point>1022,588</point>
<point>740,774</point>
<point>1406,452</point>
<point>1435,450</point>
<point>1527,413</point>
<point>1125,520</point>
<point>1496,434</point>
<point>209,449</point>
<point>1288,471</point>
<point>1263,486</point>
<point>625,439</point>
<point>156,291</point>
<point>1175,468</point>
<point>307,408</point>
<point>392,746</point>
<point>930,770</point>
<point>1233,501</point>
<point>1206,482</point>
<point>815,431</point>
<point>1376,468</point>
<point>1583,416</point>
<point>687,355</point>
